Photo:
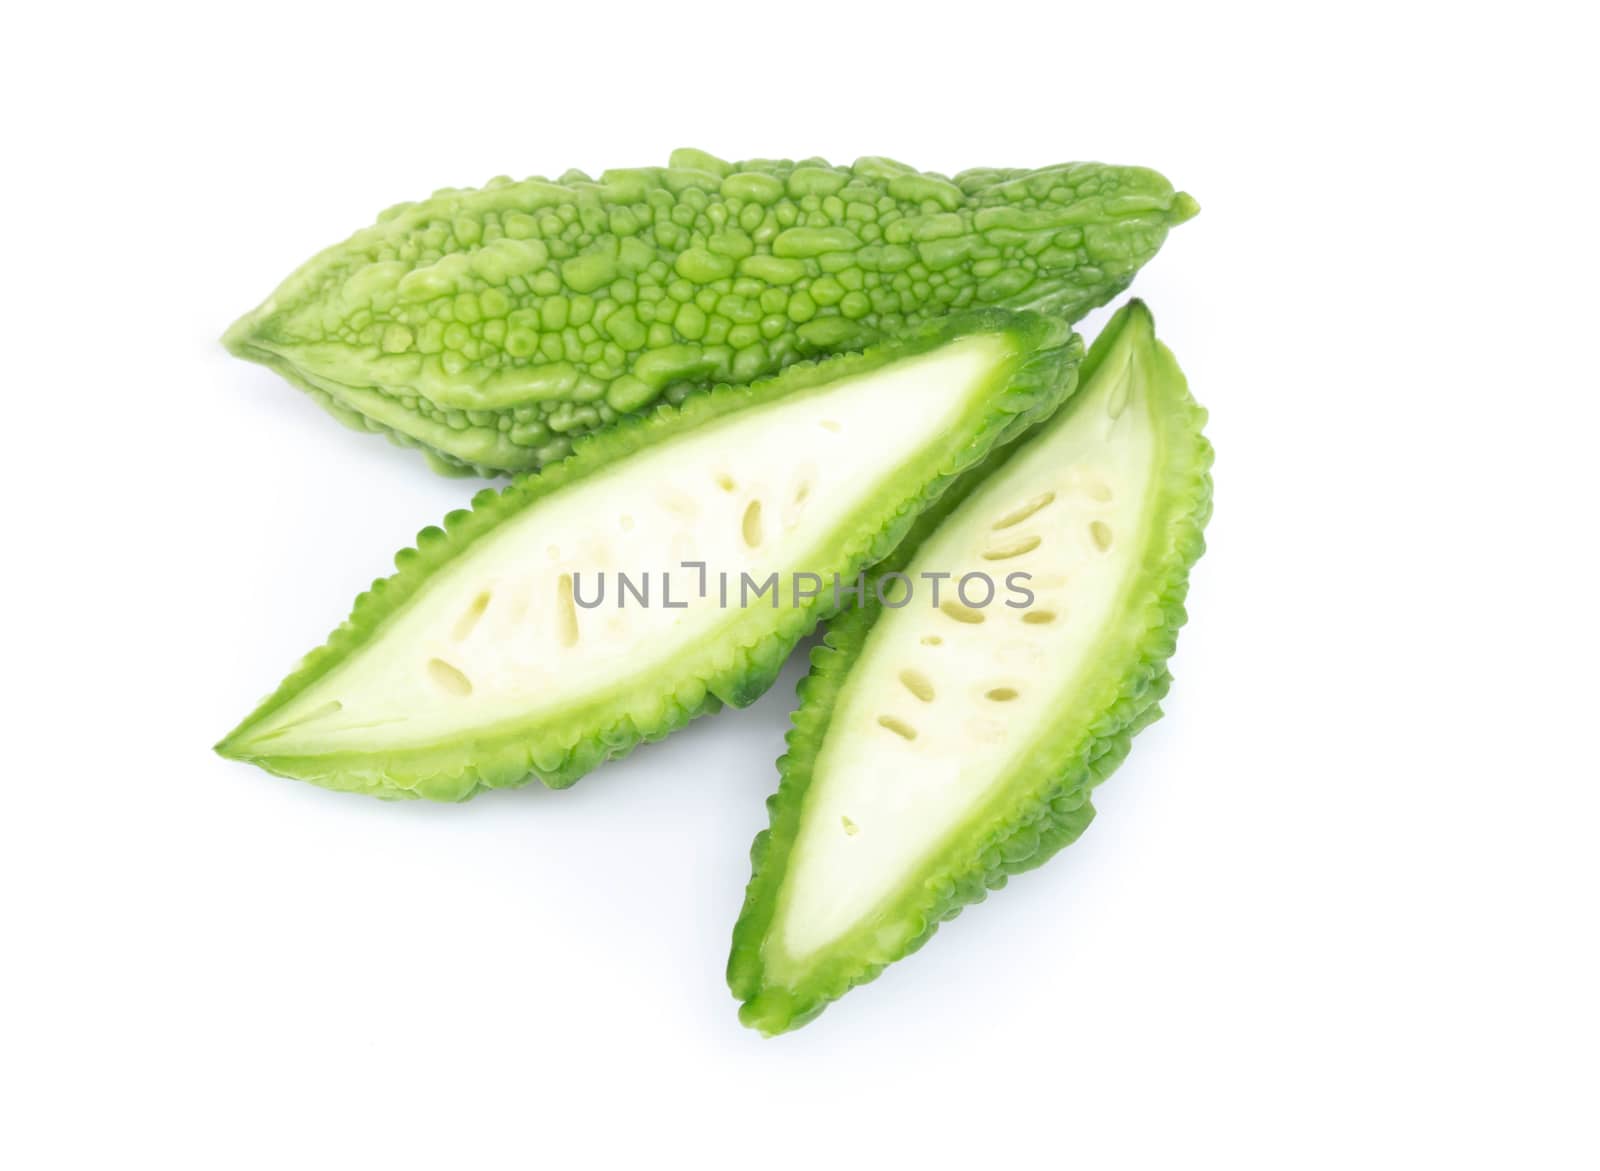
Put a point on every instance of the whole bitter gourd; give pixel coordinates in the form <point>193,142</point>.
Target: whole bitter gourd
<point>491,327</point>
<point>939,749</point>
<point>498,651</point>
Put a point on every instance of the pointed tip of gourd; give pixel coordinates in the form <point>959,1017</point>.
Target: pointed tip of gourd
<point>244,746</point>
<point>1132,321</point>
<point>1139,313</point>
<point>775,1011</point>
<point>237,338</point>
<point>243,338</point>
<point>237,744</point>
<point>1131,328</point>
<point>1184,208</point>
<point>767,1013</point>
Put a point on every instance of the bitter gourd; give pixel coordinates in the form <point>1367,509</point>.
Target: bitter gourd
<point>485,658</point>
<point>491,327</point>
<point>939,749</point>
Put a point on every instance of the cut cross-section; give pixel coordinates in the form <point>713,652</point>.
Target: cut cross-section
<point>983,767</point>
<point>582,610</point>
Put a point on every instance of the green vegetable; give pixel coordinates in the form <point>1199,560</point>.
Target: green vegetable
<point>482,662</point>
<point>938,750</point>
<point>492,327</point>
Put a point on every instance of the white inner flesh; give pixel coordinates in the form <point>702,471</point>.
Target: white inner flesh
<point>937,708</point>
<point>498,634</point>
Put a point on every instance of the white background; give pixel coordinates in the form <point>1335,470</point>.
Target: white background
<point>1338,909</point>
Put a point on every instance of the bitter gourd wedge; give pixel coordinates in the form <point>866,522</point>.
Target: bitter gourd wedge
<point>492,327</point>
<point>939,749</point>
<point>486,658</point>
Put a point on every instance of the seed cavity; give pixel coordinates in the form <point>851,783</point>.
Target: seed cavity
<point>832,425</point>
<point>850,827</point>
<point>679,502</point>
<point>799,492</point>
<point>917,684</point>
<point>966,614</point>
<point>469,617</point>
<point>448,678</point>
<point>1098,491</point>
<point>1100,534</point>
<point>1012,548</point>
<point>1023,511</point>
<point>625,523</point>
<point>796,505</point>
<point>726,482</point>
<point>899,727</point>
<point>932,640</point>
<point>1039,617</point>
<point>566,612</point>
<point>520,598</point>
<point>751,525</point>
<point>1001,694</point>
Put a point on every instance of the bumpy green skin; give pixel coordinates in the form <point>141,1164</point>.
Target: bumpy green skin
<point>1056,809</point>
<point>492,327</point>
<point>1041,377</point>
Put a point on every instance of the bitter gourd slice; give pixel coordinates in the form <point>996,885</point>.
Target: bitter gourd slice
<point>484,660</point>
<point>939,749</point>
<point>491,327</point>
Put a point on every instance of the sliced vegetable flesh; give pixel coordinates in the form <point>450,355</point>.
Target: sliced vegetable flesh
<point>981,692</point>
<point>939,748</point>
<point>498,662</point>
<point>754,494</point>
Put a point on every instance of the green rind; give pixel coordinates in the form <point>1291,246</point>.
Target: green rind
<point>559,752</point>
<point>650,284</point>
<point>1041,820</point>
